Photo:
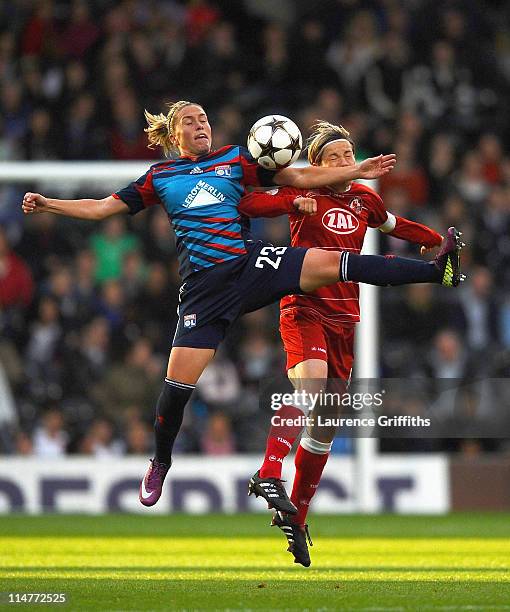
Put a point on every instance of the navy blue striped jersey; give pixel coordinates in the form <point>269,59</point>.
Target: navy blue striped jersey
<point>201,198</point>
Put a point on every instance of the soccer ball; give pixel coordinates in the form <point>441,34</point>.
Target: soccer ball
<point>275,142</point>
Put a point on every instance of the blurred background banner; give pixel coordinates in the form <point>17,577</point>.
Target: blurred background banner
<point>88,310</point>
<point>419,486</point>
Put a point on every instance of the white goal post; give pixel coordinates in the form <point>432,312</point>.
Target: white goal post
<point>366,366</point>
<point>65,175</point>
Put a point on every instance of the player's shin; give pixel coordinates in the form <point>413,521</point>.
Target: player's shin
<point>387,270</point>
<point>287,423</point>
<point>311,457</point>
<point>169,415</point>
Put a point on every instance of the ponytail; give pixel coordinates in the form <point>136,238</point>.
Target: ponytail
<point>161,127</point>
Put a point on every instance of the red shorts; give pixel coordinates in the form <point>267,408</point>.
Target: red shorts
<point>306,335</point>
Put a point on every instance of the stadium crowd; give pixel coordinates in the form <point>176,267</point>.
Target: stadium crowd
<point>87,311</point>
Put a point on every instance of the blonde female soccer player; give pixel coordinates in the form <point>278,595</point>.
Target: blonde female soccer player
<point>224,272</point>
<point>317,328</point>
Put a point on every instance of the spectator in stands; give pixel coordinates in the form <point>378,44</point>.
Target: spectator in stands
<point>87,357</point>
<point>471,182</point>
<point>353,54</point>
<point>44,245</point>
<point>133,274</point>
<point>219,386</point>
<point>84,286</point>
<point>99,441</point>
<point>385,79</point>
<point>40,142</point>
<point>50,439</point>
<point>24,446</point>
<point>45,334</point>
<point>408,175</point>
<point>416,304</point>
<point>110,245</point>
<point>138,438</point>
<point>441,166</point>
<point>135,380</point>
<point>491,152</point>
<point>481,312</point>
<point>111,304</point>
<point>126,137</point>
<point>218,438</point>
<point>16,284</point>
<point>60,287</point>
<point>158,243</point>
<point>155,306</point>
<point>81,32</point>
<point>83,136</point>
<point>15,115</point>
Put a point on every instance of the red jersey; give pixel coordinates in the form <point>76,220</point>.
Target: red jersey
<point>340,224</point>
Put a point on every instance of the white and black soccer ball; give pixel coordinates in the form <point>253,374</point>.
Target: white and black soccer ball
<point>275,142</point>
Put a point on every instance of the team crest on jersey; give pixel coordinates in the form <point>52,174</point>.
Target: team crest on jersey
<point>356,204</point>
<point>190,320</point>
<point>340,221</point>
<point>224,170</point>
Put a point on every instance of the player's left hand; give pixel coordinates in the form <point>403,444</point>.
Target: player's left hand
<point>306,206</point>
<point>425,249</point>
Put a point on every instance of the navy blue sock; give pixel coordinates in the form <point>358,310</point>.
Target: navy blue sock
<point>169,415</point>
<point>384,271</point>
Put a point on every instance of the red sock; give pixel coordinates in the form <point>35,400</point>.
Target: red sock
<point>309,467</point>
<point>279,442</point>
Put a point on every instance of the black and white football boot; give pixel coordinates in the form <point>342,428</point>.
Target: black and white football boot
<point>297,536</point>
<point>273,491</point>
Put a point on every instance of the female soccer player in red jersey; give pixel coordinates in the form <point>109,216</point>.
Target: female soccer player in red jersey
<point>317,328</point>
<point>225,273</point>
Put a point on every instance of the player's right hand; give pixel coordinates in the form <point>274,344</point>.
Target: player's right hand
<point>306,206</point>
<point>374,167</point>
<point>33,203</point>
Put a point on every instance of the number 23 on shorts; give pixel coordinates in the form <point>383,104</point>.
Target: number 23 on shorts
<point>270,255</point>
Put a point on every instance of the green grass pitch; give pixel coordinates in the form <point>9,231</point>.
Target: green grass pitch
<point>376,564</point>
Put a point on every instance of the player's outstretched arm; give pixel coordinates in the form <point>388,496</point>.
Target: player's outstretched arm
<point>94,210</point>
<point>319,176</point>
<point>267,204</point>
<point>417,233</point>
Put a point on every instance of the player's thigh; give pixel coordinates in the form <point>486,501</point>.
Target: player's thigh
<point>186,364</point>
<point>309,375</point>
<point>303,336</point>
<point>270,273</point>
<point>340,347</point>
<point>305,346</point>
<point>320,268</point>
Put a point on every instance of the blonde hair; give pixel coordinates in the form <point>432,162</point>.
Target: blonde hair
<point>161,127</point>
<point>324,132</point>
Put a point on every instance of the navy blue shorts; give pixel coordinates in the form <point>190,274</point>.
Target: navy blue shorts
<point>212,299</point>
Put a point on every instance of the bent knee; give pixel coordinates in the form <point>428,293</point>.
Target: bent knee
<point>320,268</point>
<point>310,369</point>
